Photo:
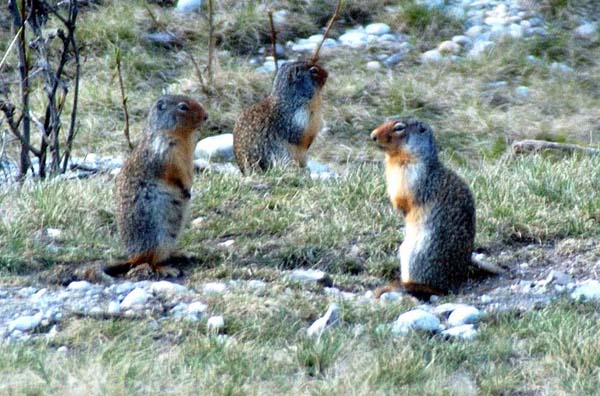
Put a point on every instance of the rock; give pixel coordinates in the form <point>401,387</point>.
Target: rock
<point>167,289</point>
<point>448,47</point>
<point>256,284</point>
<point>384,38</point>
<point>417,320</point>
<point>354,39</point>
<point>27,291</point>
<point>330,319</point>
<point>62,350</point>
<point>587,291</point>
<point>377,29</point>
<point>218,148</point>
<point>226,244</point>
<point>373,65</point>
<point>280,17</point>
<point>135,299</point>
<point>54,233</point>
<point>586,31</point>
<point>462,40</point>
<point>474,31</point>
<point>394,59</point>
<point>304,45</point>
<point>522,92</point>
<point>318,170</point>
<point>560,68</point>
<point>25,322</point>
<point>464,332</point>
<point>164,39</point>
<point>214,287</point>
<point>113,308</point>
<point>188,6</point>
<point>79,286</point>
<point>268,66</point>
<point>309,276</point>
<point>431,56</point>
<point>559,278</point>
<point>495,21</point>
<point>197,308</point>
<point>479,47</point>
<point>464,315</point>
<point>391,297</point>
<point>447,308</point>
<point>215,324</point>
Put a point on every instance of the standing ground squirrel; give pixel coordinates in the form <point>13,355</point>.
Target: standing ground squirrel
<point>438,208</point>
<point>282,126</point>
<point>153,188</point>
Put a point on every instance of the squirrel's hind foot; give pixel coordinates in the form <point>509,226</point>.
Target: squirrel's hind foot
<point>145,271</point>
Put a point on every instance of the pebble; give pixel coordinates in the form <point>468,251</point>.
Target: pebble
<point>167,289</point>
<point>373,65</point>
<point>390,297</point>
<point>215,324</point>
<point>559,278</point>
<point>418,320</point>
<point>135,299</point>
<point>377,29</point>
<point>560,68</point>
<point>214,287</point>
<point>188,6</point>
<point>197,308</point>
<point>587,291</point>
<point>464,332</point>
<point>586,31</point>
<point>218,148</point>
<point>522,92</point>
<point>394,59</point>
<point>114,308</point>
<point>309,276</point>
<point>26,322</point>
<point>79,286</point>
<point>464,315</point>
<point>54,233</point>
<point>431,56</point>
<point>330,319</point>
<point>354,39</point>
<point>448,47</point>
<point>479,47</point>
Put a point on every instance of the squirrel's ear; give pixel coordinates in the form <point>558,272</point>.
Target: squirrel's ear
<point>160,105</point>
<point>422,127</point>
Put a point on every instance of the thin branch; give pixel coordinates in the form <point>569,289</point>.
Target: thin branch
<point>73,11</point>
<point>532,145</point>
<point>13,125</point>
<point>273,41</point>
<point>123,98</point>
<point>10,47</point>
<point>335,15</point>
<point>203,85</point>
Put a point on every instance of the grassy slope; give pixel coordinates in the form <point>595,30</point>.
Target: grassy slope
<point>284,220</point>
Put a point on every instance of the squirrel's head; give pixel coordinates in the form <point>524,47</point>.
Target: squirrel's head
<point>299,79</point>
<point>176,113</point>
<point>408,138</point>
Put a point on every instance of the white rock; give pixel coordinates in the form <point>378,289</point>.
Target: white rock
<point>188,6</point>
<point>354,39</point>
<point>417,320</point>
<point>474,31</point>
<point>377,29</point>
<point>558,67</point>
<point>215,324</point>
<point>373,65</point>
<point>53,233</point>
<point>214,287</point>
<point>25,322</point>
<point>587,291</point>
<point>559,278</point>
<point>447,308</point>
<point>280,17</point>
<point>307,276</point>
<point>62,350</point>
<point>79,286</point>
<point>226,244</point>
<point>479,47</point>
<point>113,308</point>
<point>39,295</point>
<point>464,315</point>
<point>167,289</point>
<point>387,38</point>
<point>135,299</point>
<point>256,284</point>
<point>304,45</point>
<point>522,92</point>
<point>269,66</point>
<point>197,308</point>
<point>330,319</point>
<point>462,40</point>
<point>448,47</point>
<point>586,31</point>
<point>27,291</point>
<point>464,332</point>
<point>495,21</point>
<point>218,148</point>
<point>431,56</point>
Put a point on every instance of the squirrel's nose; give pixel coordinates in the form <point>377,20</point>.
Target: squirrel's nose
<point>205,116</point>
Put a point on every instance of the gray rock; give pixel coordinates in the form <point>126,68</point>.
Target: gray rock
<point>268,66</point>
<point>25,322</point>
<point>113,308</point>
<point>448,47</point>
<point>447,308</point>
<point>329,320</point>
<point>463,332</point>
<point>373,65</point>
<point>385,38</point>
<point>391,297</point>
<point>417,320</point>
<point>167,289</point>
<point>354,39</point>
<point>214,287</point>
<point>559,278</point>
<point>394,59</point>
<point>587,291</point>
<point>309,276</point>
<point>560,68</point>
<point>188,6</point>
<point>474,31</point>
<point>215,324</point>
<point>462,40</point>
<point>464,315</point>
<point>586,31</point>
<point>165,39</point>
<point>197,308</point>
<point>218,148</point>
<point>431,56</point>
<point>79,286</point>
<point>377,29</point>
<point>522,92</point>
<point>137,298</point>
<point>479,47</point>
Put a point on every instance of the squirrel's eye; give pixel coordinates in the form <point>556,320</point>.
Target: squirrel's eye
<point>183,106</point>
<point>314,70</point>
<point>399,126</point>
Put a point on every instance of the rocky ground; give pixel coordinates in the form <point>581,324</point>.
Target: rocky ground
<point>39,309</point>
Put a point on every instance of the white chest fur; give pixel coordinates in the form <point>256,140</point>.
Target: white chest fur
<point>301,118</point>
<point>159,145</point>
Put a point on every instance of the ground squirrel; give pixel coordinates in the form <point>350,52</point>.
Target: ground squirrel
<point>281,127</point>
<point>438,208</point>
<point>153,188</point>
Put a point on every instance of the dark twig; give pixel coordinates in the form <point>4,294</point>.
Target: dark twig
<point>335,15</point>
<point>273,41</point>
<point>123,98</point>
<point>211,42</point>
<point>532,145</point>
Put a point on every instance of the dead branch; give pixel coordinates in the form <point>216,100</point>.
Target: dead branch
<point>534,146</point>
<point>335,15</point>
<point>123,98</point>
<point>10,47</point>
<point>273,41</point>
<point>13,125</point>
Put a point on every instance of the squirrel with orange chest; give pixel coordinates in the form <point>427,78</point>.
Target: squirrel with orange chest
<point>438,208</point>
<point>154,187</point>
<point>281,128</point>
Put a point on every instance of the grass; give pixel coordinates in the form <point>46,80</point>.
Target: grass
<point>285,220</point>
